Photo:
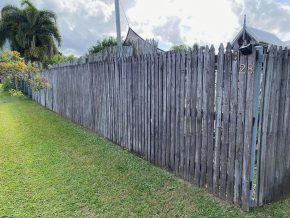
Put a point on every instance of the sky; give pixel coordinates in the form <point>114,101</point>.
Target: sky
<point>83,22</point>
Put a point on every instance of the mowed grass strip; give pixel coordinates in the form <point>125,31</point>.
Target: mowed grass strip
<point>50,167</point>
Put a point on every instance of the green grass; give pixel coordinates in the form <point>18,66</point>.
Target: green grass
<point>50,167</point>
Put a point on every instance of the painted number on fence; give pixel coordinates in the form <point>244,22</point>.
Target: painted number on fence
<point>243,68</point>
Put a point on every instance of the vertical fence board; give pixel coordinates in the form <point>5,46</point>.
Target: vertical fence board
<point>152,99</point>
<point>142,109</point>
<point>278,124</point>
<point>177,113</point>
<point>286,127</point>
<point>210,118</point>
<point>199,118</point>
<point>225,121</point>
<point>204,106</point>
<point>172,113</point>
<point>271,135</point>
<point>281,125</point>
<point>248,131</point>
<point>218,127</point>
<point>240,130</point>
<point>168,109</point>
<point>163,120</point>
<point>146,107</point>
<point>181,114</point>
<point>232,125</point>
<point>193,110</point>
<point>187,121</point>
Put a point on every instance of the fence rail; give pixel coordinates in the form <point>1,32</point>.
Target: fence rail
<point>190,112</point>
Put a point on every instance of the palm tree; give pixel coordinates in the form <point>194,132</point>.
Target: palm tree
<point>32,32</point>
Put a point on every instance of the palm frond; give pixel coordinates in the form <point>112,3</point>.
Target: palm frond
<point>32,32</point>
<point>28,3</point>
<point>3,33</point>
<point>9,9</point>
<point>47,14</point>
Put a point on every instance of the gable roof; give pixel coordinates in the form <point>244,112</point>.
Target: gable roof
<point>133,36</point>
<point>260,36</point>
<point>287,43</point>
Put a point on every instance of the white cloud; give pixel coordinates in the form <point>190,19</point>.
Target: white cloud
<point>205,21</point>
<point>169,31</point>
<point>268,15</point>
<point>83,22</point>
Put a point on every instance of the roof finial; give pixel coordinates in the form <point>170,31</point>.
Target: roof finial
<point>244,29</point>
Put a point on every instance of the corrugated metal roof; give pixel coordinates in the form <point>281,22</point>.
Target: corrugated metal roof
<point>287,43</point>
<point>264,37</point>
<point>261,36</point>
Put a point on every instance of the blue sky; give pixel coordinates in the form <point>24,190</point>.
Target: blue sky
<point>83,22</point>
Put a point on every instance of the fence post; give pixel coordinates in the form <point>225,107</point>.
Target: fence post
<point>256,106</point>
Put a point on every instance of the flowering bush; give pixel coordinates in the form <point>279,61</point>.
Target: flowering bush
<point>14,69</point>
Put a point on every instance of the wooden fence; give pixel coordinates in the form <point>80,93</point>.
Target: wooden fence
<point>192,113</point>
<point>273,174</point>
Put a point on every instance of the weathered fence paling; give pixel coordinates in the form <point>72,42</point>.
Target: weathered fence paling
<point>190,112</point>
<point>273,172</point>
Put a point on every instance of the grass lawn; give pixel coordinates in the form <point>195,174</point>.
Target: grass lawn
<point>50,167</point>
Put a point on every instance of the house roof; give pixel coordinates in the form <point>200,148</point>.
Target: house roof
<point>133,36</point>
<point>287,43</point>
<point>261,36</point>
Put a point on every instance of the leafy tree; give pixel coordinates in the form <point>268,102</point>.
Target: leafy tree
<point>57,59</point>
<point>180,47</point>
<point>14,69</point>
<point>30,31</point>
<point>183,47</point>
<point>105,43</point>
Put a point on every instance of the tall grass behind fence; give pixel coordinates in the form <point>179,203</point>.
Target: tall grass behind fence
<point>189,112</point>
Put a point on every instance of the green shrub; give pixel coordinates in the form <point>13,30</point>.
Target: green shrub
<point>14,70</point>
<point>105,43</point>
<point>7,84</point>
<point>58,59</point>
<point>14,92</point>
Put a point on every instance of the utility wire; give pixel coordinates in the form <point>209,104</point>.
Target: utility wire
<point>124,14</point>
